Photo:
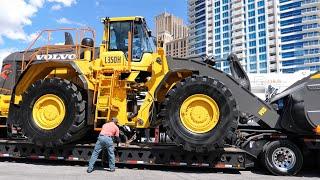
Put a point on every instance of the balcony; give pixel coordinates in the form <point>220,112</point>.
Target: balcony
<point>270,11</point>
<point>271,26</point>
<point>237,5</point>
<point>237,27</point>
<point>237,13</point>
<point>237,49</point>
<point>272,50</point>
<point>271,18</point>
<point>238,41</point>
<point>272,42</point>
<point>237,34</point>
<point>272,58</point>
<point>273,66</point>
<point>237,20</point>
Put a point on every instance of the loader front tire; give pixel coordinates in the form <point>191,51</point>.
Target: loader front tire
<point>53,112</point>
<point>200,114</point>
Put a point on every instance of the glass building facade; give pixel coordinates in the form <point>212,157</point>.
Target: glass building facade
<point>300,35</point>
<point>198,27</point>
<point>267,35</point>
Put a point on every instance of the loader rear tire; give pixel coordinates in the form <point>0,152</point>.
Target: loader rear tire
<point>53,112</point>
<point>200,114</point>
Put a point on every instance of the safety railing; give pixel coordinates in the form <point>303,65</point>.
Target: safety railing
<point>47,47</point>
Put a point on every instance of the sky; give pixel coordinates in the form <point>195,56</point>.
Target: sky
<point>22,20</point>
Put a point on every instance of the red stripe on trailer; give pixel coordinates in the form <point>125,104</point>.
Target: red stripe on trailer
<point>132,162</point>
<point>174,163</point>
<point>71,158</point>
<point>220,165</point>
<point>53,157</point>
<point>4,155</point>
<point>34,157</point>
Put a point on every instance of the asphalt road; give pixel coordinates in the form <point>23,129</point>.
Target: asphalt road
<point>45,170</point>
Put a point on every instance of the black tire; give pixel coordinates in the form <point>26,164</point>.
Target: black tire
<point>72,127</point>
<point>222,133</point>
<point>271,156</point>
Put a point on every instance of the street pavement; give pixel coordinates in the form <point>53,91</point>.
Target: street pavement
<point>10,170</point>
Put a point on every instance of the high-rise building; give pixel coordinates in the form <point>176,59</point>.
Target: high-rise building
<point>177,48</point>
<point>197,40</point>
<point>170,27</point>
<point>300,35</point>
<point>267,35</point>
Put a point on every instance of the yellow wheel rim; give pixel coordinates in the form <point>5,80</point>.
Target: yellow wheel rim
<point>48,111</point>
<point>199,113</point>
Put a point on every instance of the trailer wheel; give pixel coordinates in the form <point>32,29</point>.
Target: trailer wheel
<point>200,114</point>
<point>282,158</point>
<point>53,112</point>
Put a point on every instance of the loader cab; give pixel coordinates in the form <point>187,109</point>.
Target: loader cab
<point>127,38</point>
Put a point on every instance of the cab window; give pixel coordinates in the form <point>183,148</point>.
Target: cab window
<point>119,36</point>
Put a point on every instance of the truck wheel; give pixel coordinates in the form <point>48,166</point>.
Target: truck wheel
<point>200,114</point>
<point>53,112</point>
<point>282,158</point>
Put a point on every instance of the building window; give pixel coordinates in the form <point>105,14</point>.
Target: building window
<point>225,28</point>
<point>217,10</point>
<point>217,30</point>
<point>252,28</point>
<point>217,44</point>
<point>225,14</point>
<point>261,18</point>
<point>262,26</point>
<point>226,42</point>
<point>252,36</point>
<point>253,59</point>
<point>262,49</point>
<point>225,35</point>
<point>217,23</point>
<point>260,3</point>
<point>262,34</point>
<point>252,43</point>
<point>217,17</point>
<point>262,41</point>
<point>253,66</point>
<point>225,21</point>
<point>217,37</point>
<point>218,51</point>
<point>251,6</point>
<point>263,57</point>
<point>253,51</point>
<point>251,13</point>
<point>263,65</point>
<point>252,21</point>
<point>261,11</point>
<point>226,7</point>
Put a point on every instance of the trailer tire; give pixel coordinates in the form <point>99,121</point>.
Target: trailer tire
<point>282,158</point>
<point>53,112</point>
<point>210,90</point>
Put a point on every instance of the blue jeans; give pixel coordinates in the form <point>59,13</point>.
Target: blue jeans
<point>103,142</point>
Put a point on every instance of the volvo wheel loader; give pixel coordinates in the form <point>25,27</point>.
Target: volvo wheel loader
<point>56,94</point>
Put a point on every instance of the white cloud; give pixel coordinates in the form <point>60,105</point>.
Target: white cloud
<point>59,3</point>
<point>16,14</point>
<point>56,7</point>
<point>64,20</point>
